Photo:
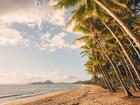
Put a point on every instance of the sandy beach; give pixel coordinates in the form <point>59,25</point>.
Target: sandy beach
<point>86,95</point>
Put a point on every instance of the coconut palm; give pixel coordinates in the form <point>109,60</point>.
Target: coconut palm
<point>128,93</point>
<point>87,49</point>
<point>113,65</point>
<point>91,20</point>
<point>85,8</point>
<point>87,29</point>
<point>122,47</point>
<point>121,23</point>
<point>95,19</point>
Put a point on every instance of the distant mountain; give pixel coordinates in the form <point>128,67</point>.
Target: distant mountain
<point>46,82</point>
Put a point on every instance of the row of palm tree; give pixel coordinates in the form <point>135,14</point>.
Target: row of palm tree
<point>111,35</point>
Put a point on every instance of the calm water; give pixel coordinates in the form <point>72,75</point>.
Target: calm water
<point>12,92</point>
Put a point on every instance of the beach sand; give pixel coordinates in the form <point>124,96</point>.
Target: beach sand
<point>86,95</point>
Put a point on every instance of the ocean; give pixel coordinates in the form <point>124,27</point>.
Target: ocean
<point>12,92</point>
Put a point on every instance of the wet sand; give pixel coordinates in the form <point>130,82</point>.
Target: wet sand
<point>86,95</point>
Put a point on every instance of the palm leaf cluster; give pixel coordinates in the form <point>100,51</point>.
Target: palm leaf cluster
<point>111,35</point>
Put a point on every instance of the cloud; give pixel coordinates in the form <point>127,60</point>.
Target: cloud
<point>49,43</point>
<point>33,14</point>
<point>24,78</point>
<point>10,36</point>
<point>28,12</point>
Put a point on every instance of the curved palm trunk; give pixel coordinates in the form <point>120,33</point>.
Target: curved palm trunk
<point>125,69</point>
<point>127,92</point>
<point>125,28</point>
<point>134,83</point>
<point>105,76</point>
<point>123,65</point>
<point>134,47</point>
<point>103,79</point>
<point>127,74</point>
<point>132,44</point>
<point>121,76</point>
<point>130,81</point>
<point>132,57</point>
<point>120,44</point>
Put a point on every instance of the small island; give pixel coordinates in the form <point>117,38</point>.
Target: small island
<point>46,82</point>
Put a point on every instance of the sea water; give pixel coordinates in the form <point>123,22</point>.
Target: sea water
<point>12,92</point>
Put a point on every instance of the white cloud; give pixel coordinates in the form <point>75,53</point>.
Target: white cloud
<point>32,13</point>
<point>23,78</point>
<point>10,36</point>
<point>28,12</point>
<point>49,43</point>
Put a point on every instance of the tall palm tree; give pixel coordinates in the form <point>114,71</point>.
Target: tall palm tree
<point>87,6</point>
<point>104,75</point>
<point>88,49</point>
<point>89,20</point>
<point>120,44</point>
<point>121,23</point>
<point>98,18</point>
<point>131,76</point>
<point>128,93</point>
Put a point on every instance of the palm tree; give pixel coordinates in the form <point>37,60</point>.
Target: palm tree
<point>128,93</point>
<point>121,23</point>
<point>91,65</point>
<point>97,18</point>
<point>85,7</point>
<point>89,20</point>
<point>131,76</point>
<point>104,75</point>
<point>120,44</point>
<point>88,49</point>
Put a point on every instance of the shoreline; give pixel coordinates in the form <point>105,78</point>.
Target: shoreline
<point>39,96</point>
<point>85,95</point>
<point>34,98</point>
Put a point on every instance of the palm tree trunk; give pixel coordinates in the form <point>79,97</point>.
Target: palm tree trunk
<point>125,28</point>
<point>103,79</point>
<point>127,92</point>
<point>135,61</point>
<point>120,44</point>
<point>130,82</point>
<point>134,47</point>
<point>129,40</point>
<point>133,80</point>
<point>125,69</point>
<point>105,76</point>
<point>121,76</point>
<point>123,65</point>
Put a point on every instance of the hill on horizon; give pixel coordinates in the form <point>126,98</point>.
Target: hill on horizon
<point>46,82</point>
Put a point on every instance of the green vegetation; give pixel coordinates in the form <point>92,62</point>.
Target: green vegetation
<point>110,34</point>
<point>84,82</point>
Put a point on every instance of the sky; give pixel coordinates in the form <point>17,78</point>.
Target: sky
<point>35,44</point>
